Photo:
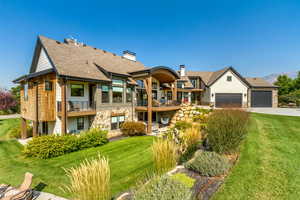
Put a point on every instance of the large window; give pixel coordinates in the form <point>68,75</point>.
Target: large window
<point>128,95</point>
<point>180,84</point>
<point>26,91</point>
<point>117,94</point>
<point>117,82</point>
<point>80,123</point>
<point>105,94</point>
<point>77,90</point>
<point>140,83</point>
<point>116,122</point>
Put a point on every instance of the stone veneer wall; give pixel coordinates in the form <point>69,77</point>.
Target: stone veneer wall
<point>186,113</point>
<point>103,118</point>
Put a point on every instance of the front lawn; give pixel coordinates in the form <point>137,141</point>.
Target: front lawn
<point>129,160</point>
<point>269,165</point>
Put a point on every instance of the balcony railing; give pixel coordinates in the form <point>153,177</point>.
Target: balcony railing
<point>159,103</point>
<point>75,106</point>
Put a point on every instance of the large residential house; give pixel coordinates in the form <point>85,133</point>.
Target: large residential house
<point>72,86</point>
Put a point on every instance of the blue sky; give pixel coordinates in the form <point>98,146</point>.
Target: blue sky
<point>255,37</point>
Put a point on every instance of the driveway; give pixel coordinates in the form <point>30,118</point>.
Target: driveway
<point>277,111</point>
<point>10,116</point>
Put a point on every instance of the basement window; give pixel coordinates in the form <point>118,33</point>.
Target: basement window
<point>116,122</point>
<point>229,78</point>
<point>80,123</point>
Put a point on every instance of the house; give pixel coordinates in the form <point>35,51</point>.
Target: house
<point>72,86</point>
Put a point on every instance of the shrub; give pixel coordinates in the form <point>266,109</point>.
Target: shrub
<point>163,188</point>
<point>208,163</point>
<point>165,155</point>
<point>184,179</point>
<point>131,128</point>
<point>15,132</point>
<point>226,129</point>
<point>190,137</point>
<point>91,180</point>
<point>92,138</point>
<point>53,145</point>
<point>183,125</point>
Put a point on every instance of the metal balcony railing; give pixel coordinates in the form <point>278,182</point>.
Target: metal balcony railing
<point>75,106</point>
<point>159,103</point>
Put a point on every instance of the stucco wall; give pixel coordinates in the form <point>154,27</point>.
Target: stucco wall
<point>236,85</point>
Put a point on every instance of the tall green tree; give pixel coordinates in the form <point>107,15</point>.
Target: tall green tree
<point>296,82</point>
<point>285,84</point>
<point>15,91</point>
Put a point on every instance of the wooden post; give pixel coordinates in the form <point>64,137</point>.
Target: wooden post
<point>174,91</point>
<point>63,107</point>
<point>23,128</point>
<point>149,108</point>
<point>36,112</point>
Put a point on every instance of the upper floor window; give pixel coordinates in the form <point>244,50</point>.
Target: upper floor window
<point>140,83</point>
<point>26,91</point>
<point>104,94</point>
<point>229,78</point>
<point>48,85</point>
<point>128,95</point>
<point>77,90</point>
<point>118,82</point>
<point>179,84</point>
<point>117,94</point>
<point>154,85</point>
<point>194,83</point>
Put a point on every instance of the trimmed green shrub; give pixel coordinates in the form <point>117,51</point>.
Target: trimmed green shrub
<point>132,128</point>
<point>208,163</point>
<point>184,179</point>
<point>183,125</point>
<point>53,145</point>
<point>163,188</point>
<point>226,129</point>
<point>15,132</point>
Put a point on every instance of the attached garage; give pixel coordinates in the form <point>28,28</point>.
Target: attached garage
<point>261,98</point>
<point>228,100</point>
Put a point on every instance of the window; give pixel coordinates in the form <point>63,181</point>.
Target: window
<point>140,83</point>
<point>116,122</point>
<point>229,78</point>
<point>117,82</point>
<point>117,94</point>
<point>26,91</point>
<point>154,85</point>
<point>105,94</point>
<point>194,82</point>
<point>77,90</point>
<point>80,123</point>
<point>128,95</point>
<point>179,84</point>
<point>48,85</point>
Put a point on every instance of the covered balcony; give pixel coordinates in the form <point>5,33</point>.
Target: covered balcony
<point>149,100</point>
<point>78,108</point>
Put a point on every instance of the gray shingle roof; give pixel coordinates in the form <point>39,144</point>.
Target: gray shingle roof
<point>259,82</point>
<point>84,61</point>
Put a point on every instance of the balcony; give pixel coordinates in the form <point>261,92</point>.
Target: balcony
<point>78,108</point>
<point>158,106</point>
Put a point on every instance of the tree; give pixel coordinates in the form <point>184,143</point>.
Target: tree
<point>296,82</point>
<point>285,84</point>
<point>7,100</point>
<point>15,91</point>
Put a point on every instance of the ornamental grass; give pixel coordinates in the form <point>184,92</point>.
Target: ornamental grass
<point>90,180</point>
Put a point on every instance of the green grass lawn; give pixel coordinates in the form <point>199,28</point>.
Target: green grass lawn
<point>269,165</point>
<point>129,160</point>
<point>5,125</point>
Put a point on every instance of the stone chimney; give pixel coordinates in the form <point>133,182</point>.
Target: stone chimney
<point>129,55</point>
<point>182,70</point>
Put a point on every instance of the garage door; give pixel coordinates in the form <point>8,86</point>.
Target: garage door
<point>261,99</point>
<point>229,99</point>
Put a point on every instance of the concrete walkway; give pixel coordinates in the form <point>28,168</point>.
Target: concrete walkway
<point>46,196</point>
<point>10,116</point>
<point>277,111</point>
